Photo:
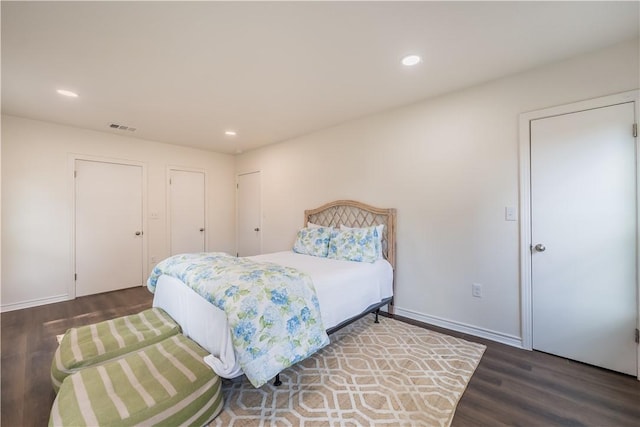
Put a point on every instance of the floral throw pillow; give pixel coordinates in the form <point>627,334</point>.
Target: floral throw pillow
<point>357,244</point>
<point>313,241</point>
<point>379,228</point>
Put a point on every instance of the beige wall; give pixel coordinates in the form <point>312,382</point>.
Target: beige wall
<point>450,167</point>
<point>37,197</point>
<point>448,164</point>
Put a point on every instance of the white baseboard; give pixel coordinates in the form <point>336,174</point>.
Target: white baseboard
<point>33,303</point>
<point>511,340</point>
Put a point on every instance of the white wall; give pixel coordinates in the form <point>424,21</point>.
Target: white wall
<point>37,196</point>
<point>450,167</point>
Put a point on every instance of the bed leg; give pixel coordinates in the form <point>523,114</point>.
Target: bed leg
<point>377,312</point>
<point>277,381</point>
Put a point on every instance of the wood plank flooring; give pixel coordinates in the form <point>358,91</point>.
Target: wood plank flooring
<point>29,342</point>
<point>511,387</point>
<point>514,387</point>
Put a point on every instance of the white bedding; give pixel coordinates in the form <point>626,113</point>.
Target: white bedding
<point>344,289</point>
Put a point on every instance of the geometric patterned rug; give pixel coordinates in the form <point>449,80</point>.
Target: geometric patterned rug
<point>386,374</point>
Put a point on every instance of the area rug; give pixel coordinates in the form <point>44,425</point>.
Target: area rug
<point>386,374</point>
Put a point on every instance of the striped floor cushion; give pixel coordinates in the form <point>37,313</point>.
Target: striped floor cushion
<point>101,342</point>
<point>167,383</point>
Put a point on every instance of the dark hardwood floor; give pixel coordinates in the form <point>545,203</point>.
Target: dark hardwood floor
<point>514,387</point>
<point>29,342</point>
<point>510,387</point>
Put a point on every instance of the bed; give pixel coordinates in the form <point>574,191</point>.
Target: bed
<point>346,290</point>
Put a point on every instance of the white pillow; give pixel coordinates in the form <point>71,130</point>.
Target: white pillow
<point>379,228</point>
<point>312,225</point>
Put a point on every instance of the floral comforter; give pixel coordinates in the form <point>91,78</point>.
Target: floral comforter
<point>272,310</point>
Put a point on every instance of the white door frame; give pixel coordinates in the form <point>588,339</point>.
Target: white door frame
<point>168,198</point>
<point>525,199</point>
<point>71,167</point>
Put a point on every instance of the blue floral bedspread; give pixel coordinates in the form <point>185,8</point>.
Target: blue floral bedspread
<point>272,310</point>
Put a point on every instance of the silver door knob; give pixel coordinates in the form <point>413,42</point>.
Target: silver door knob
<point>540,247</point>
<point>256,229</point>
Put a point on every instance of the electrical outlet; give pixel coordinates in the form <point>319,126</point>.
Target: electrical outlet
<point>153,259</point>
<point>476,290</point>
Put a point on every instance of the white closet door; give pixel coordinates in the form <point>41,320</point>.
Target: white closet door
<point>108,226</point>
<point>583,212</point>
<point>249,211</point>
<point>187,199</point>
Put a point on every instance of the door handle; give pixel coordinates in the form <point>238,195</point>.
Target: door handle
<point>202,229</point>
<point>138,233</point>
<point>540,247</point>
<point>256,229</point>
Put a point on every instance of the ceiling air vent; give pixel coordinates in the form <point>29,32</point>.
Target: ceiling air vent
<point>121,127</point>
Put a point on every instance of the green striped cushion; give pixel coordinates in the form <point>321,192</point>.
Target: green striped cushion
<point>98,343</point>
<point>167,383</point>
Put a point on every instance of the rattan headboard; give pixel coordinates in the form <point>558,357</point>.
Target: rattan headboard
<point>356,214</point>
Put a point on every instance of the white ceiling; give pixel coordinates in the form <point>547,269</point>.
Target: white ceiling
<point>184,72</point>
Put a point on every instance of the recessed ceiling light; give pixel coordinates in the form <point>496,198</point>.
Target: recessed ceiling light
<point>411,60</point>
<point>230,133</point>
<point>68,93</point>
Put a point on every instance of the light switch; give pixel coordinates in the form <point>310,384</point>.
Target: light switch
<point>510,213</point>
